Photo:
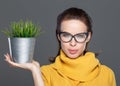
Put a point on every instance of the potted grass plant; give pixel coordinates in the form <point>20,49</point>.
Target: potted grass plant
<point>21,39</point>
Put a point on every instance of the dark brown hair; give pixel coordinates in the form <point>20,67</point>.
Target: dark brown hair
<point>73,13</point>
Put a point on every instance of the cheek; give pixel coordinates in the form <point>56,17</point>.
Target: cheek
<point>82,47</point>
<point>64,45</point>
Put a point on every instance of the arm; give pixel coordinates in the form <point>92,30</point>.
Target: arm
<point>112,79</point>
<point>37,76</point>
<point>34,67</point>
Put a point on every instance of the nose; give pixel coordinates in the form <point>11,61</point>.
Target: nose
<point>73,42</point>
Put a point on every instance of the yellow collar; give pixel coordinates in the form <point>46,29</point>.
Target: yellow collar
<point>83,68</point>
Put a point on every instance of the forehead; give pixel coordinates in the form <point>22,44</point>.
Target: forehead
<point>73,26</point>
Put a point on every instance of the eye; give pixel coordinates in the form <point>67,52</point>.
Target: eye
<point>81,35</point>
<point>65,35</point>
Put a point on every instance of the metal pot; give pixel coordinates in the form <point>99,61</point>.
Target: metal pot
<point>21,49</point>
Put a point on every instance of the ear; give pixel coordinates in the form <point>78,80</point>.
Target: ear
<point>58,37</point>
<point>89,37</point>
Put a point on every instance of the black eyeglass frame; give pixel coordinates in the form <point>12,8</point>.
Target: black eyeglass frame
<point>73,36</point>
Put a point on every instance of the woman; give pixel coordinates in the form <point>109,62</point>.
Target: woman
<point>74,65</point>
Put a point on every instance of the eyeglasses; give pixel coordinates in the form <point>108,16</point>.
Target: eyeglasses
<point>67,37</point>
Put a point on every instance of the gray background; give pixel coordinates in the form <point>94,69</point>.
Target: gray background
<point>106,22</point>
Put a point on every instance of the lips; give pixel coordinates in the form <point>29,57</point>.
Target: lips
<point>71,51</point>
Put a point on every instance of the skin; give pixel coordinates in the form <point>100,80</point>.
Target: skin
<point>71,49</point>
<point>34,67</point>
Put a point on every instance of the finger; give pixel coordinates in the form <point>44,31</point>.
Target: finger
<point>7,57</point>
<point>9,60</point>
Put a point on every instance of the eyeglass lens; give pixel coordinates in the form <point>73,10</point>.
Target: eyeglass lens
<point>67,37</point>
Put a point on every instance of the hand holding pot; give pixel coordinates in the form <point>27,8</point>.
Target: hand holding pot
<point>29,66</point>
<point>34,67</point>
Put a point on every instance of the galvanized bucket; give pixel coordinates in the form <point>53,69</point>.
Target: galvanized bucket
<point>21,49</point>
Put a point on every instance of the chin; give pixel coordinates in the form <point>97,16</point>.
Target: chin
<point>73,56</point>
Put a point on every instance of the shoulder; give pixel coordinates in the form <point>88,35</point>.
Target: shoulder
<point>48,71</point>
<point>106,68</point>
<point>47,68</point>
<point>107,71</point>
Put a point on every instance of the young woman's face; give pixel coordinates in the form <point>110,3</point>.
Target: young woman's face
<point>73,46</point>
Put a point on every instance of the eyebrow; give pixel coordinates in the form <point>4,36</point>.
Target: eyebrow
<point>74,34</point>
